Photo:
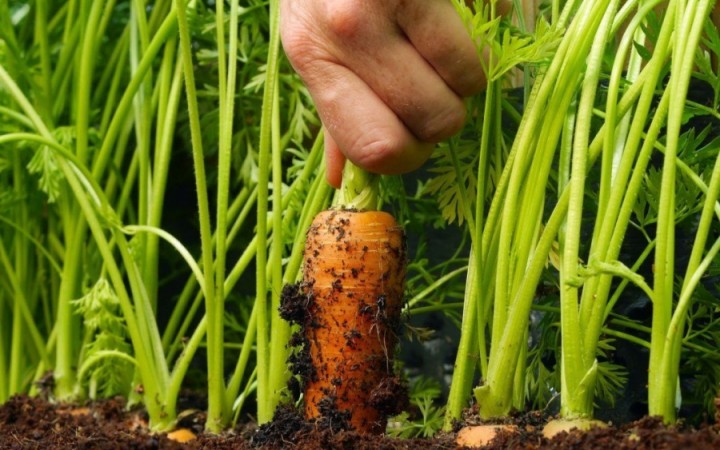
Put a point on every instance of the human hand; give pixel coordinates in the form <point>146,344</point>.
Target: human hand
<point>387,77</point>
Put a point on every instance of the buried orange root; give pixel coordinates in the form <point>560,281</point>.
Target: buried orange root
<point>354,271</point>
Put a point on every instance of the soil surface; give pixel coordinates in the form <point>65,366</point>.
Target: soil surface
<point>34,423</point>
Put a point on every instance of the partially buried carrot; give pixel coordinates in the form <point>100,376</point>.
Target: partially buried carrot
<point>353,280</point>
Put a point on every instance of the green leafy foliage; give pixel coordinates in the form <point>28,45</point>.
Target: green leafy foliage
<point>611,377</point>
<point>516,49</point>
<point>105,331</point>
<point>45,165</point>
<point>702,370</point>
<point>509,46</point>
<point>706,70</point>
<point>426,417</point>
<point>450,178</point>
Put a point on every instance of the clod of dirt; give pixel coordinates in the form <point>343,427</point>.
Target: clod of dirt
<point>390,397</point>
<point>293,303</point>
<point>331,418</point>
<point>286,424</point>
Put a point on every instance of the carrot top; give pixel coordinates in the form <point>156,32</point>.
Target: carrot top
<point>359,189</point>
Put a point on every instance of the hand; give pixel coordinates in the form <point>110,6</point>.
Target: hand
<point>387,77</point>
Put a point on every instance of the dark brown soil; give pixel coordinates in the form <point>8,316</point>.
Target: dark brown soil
<point>33,423</point>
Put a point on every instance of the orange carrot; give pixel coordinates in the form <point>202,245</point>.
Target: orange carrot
<point>353,278</point>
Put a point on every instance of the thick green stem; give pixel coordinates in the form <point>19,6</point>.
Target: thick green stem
<point>464,368</point>
<point>359,188</point>
<point>266,407</point>
<point>577,398</point>
<point>663,397</point>
<point>616,215</point>
<point>690,18</point>
<point>87,60</point>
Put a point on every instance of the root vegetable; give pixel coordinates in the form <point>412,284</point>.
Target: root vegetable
<point>557,426</point>
<point>353,280</point>
<point>481,435</point>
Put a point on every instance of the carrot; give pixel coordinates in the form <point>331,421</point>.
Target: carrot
<point>353,280</point>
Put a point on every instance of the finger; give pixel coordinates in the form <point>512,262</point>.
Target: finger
<point>334,161</point>
<point>364,37</point>
<point>360,124</point>
<point>412,88</point>
<point>450,52</point>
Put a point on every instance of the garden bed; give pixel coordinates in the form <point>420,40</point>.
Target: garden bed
<point>34,423</point>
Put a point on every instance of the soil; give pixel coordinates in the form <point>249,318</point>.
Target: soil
<point>35,423</point>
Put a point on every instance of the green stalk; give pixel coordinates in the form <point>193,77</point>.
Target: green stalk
<point>234,384</point>
<point>279,350</point>
<point>664,397</point>
<point>464,370</point>
<point>87,60</point>
<point>215,386</point>
<point>318,197</point>
<point>15,347</point>
<point>494,397</point>
<point>153,371</point>
<point>64,372</point>
<point>218,411</point>
<point>577,398</point>
<point>170,85</point>
<point>41,37</point>
<point>182,315</point>
<point>509,211</point>
<point>22,264</point>
<point>265,389</point>
<point>109,84</point>
<point>75,229</point>
<point>664,251</point>
<point>496,392</point>
<point>359,189</point>
<point>616,215</point>
<point>166,30</point>
<point>138,314</point>
<point>472,341</point>
<point>432,287</point>
<point>689,24</point>
<point>142,118</point>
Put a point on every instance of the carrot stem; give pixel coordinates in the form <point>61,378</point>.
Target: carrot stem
<point>359,189</point>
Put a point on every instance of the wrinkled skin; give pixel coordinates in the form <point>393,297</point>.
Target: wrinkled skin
<point>387,76</point>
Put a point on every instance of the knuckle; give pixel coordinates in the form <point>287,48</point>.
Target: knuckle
<point>470,84</point>
<point>375,155</point>
<point>390,156</point>
<point>345,18</point>
<point>300,48</point>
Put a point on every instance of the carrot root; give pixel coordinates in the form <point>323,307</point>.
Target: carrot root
<point>353,282</point>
